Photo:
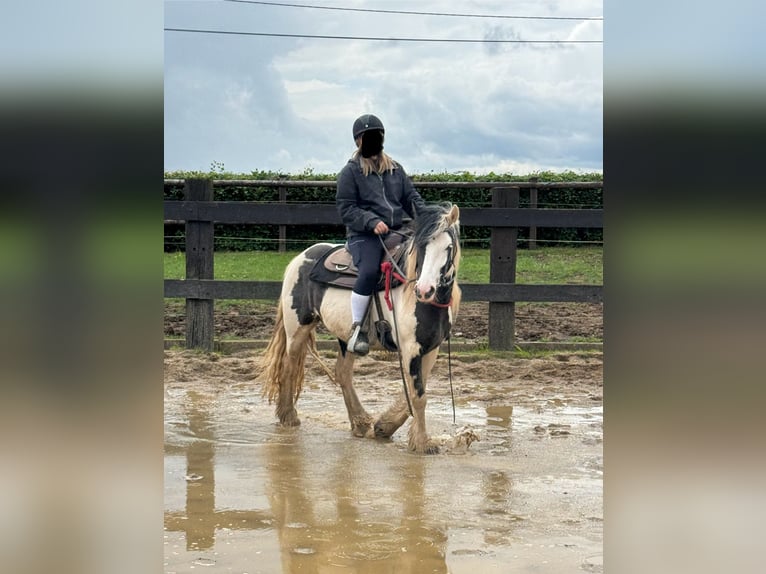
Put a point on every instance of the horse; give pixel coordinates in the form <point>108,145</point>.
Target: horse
<point>424,306</point>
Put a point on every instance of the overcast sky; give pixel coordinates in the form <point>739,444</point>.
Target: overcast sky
<point>288,104</point>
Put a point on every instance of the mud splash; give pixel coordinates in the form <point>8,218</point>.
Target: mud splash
<point>243,495</point>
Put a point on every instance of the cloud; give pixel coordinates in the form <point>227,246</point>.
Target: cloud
<point>445,106</point>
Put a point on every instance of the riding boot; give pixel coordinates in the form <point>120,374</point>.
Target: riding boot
<point>358,342</point>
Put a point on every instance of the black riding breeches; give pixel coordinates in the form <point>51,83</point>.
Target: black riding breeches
<point>367,252</point>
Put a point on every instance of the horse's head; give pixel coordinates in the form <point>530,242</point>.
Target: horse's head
<point>436,253</point>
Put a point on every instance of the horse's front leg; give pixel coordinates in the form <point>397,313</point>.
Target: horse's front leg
<point>392,418</point>
<point>420,369</point>
<point>397,414</point>
<point>361,422</point>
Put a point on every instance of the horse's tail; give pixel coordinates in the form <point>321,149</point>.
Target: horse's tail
<point>277,368</point>
<point>273,359</point>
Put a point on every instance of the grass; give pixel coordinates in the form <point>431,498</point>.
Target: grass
<point>547,265</point>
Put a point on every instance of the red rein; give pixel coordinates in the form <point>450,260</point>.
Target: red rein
<point>388,270</point>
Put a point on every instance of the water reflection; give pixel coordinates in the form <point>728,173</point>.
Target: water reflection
<point>199,520</point>
<point>346,512</point>
<point>500,415</point>
<point>347,505</point>
<point>245,495</point>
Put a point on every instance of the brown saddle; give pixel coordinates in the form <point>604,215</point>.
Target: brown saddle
<point>337,267</point>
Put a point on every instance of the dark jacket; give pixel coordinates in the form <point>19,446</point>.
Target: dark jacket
<point>364,201</point>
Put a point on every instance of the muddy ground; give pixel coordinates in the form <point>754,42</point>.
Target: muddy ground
<point>544,322</point>
<point>243,494</point>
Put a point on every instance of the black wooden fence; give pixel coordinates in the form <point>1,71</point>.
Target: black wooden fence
<point>200,213</point>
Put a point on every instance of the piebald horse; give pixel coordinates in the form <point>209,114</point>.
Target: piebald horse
<point>424,308</point>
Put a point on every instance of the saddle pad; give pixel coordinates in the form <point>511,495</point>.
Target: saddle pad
<point>321,273</point>
<point>337,268</point>
<point>341,261</point>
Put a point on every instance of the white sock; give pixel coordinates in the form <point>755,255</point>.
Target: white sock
<point>358,306</point>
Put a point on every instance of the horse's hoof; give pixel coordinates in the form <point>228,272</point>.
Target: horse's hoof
<point>292,421</point>
<point>429,448</point>
<point>362,427</point>
<point>288,417</point>
<point>383,430</point>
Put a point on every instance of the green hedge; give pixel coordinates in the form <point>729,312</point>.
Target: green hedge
<point>264,237</point>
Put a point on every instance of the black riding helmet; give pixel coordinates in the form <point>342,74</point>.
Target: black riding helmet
<point>366,123</point>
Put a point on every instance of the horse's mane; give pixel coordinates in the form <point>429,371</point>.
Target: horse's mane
<point>431,221</point>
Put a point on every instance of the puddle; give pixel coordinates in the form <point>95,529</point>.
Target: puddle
<point>243,495</point>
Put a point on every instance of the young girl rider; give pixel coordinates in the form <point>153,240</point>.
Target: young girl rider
<point>373,195</point>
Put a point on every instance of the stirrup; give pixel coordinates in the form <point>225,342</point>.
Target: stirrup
<point>386,338</point>
<point>357,342</point>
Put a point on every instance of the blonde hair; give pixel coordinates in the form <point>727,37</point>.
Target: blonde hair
<point>379,164</point>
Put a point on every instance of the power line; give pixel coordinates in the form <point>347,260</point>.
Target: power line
<point>380,39</point>
<point>414,13</point>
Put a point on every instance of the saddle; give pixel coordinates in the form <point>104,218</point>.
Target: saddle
<point>336,267</point>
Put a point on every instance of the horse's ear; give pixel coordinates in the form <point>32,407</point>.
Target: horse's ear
<point>453,215</point>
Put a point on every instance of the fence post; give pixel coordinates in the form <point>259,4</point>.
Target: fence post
<point>533,205</point>
<point>199,265</point>
<point>502,269</point>
<point>282,228</point>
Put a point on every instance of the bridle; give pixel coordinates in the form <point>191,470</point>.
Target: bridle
<point>447,278</point>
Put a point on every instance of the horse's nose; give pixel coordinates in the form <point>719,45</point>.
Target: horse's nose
<point>426,293</point>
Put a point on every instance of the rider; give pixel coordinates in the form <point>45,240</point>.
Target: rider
<point>372,195</point>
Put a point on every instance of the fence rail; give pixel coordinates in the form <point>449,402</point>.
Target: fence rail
<point>275,213</point>
<point>200,213</point>
<point>491,292</point>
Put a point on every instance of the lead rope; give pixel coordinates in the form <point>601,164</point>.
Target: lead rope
<point>392,308</point>
<point>401,365</point>
<point>402,275</point>
<point>449,371</point>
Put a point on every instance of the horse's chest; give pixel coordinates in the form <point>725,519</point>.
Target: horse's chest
<point>432,326</point>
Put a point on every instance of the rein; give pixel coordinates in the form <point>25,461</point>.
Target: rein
<point>387,269</point>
